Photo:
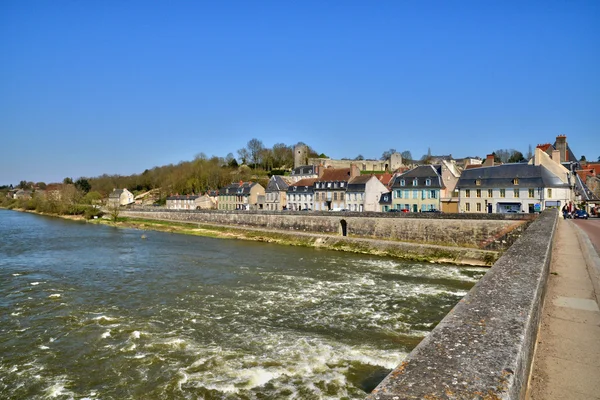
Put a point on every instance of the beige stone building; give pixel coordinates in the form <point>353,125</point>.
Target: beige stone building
<point>241,196</point>
<point>120,197</point>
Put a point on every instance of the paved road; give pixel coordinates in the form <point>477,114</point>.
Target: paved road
<point>592,229</point>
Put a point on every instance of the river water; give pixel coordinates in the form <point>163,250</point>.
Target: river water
<point>95,312</point>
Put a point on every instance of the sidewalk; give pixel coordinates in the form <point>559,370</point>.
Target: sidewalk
<point>567,359</point>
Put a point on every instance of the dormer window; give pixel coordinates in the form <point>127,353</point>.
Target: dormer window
<point>295,187</point>
<point>328,184</point>
<point>415,182</point>
<point>427,182</point>
<point>342,184</point>
<point>478,182</point>
<point>515,181</point>
<point>402,182</point>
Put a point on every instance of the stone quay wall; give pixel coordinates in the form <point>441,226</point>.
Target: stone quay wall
<point>482,231</point>
<point>483,349</point>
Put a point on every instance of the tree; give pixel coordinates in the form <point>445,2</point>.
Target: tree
<point>323,155</point>
<point>516,157</point>
<point>406,157</point>
<point>68,181</point>
<point>114,211</point>
<point>387,154</point>
<point>83,185</point>
<point>23,185</point>
<point>255,147</point>
<point>582,159</point>
<point>359,158</point>
<point>243,155</point>
<point>529,153</point>
<point>41,185</point>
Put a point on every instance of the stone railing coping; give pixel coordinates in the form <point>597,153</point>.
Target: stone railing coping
<point>484,347</point>
<point>368,214</point>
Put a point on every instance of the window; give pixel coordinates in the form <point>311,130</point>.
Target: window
<point>433,194</point>
<point>406,194</point>
<point>427,182</point>
<point>516,193</point>
<point>478,182</point>
<point>479,207</point>
<point>328,184</point>
<point>467,192</point>
<point>549,193</point>
<point>515,181</point>
<point>502,192</point>
<point>415,182</point>
<point>334,196</point>
<point>342,196</point>
<point>402,182</point>
<point>398,194</point>
<point>468,207</point>
<point>415,194</point>
<point>478,192</point>
<point>490,193</point>
<point>531,193</point>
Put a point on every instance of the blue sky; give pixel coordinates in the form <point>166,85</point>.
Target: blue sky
<point>93,87</point>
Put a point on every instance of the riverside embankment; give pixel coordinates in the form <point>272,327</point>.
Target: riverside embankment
<point>447,238</point>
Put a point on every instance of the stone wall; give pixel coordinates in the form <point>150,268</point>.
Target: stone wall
<point>484,347</point>
<point>428,228</point>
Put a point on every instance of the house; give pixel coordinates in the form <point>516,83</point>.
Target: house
<point>304,172</point>
<point>385,201</point>
<point>240,196</point>
<point>533,187</point>
<point>418,189</point>
<point>330,188</point>
<point>22,194</point>
<point>182,202</point>
<point>300,195</point>
<point>364,192</point>
<point>120,197</point>
<point>207,201</point>
<point>276,193</point>
<point>449,173</point>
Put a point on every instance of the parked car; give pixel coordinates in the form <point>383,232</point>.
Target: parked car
<point>581,214</point>
<point>393,210</point>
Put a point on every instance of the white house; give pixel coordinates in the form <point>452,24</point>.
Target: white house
<point>364,192</point>
<point>507,188</point>
<point>120,197</point>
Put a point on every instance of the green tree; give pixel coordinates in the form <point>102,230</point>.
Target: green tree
<point>516,157</point>
<point>68,181</point>
<point>387,154</point>
<point>83,185</point>
<point>582,159</point>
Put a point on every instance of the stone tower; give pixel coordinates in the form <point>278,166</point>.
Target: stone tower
<point>395,161</point>
<point>300,155</point>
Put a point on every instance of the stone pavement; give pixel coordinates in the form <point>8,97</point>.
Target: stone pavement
<point>567,359</point>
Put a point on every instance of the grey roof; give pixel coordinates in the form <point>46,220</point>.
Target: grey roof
<point>386,198</point>
<point>420,174</point>
<point>304,170</point>
<point>302,186</point>
<point>276,184</point>
<point>240,188</point>
<point>183,197</point>
<point>570,155</point>
<point>502,176</point>
<point>116,193</point>
<point>359,183</point>
<point>584,191</point>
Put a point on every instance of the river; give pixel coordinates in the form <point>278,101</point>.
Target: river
<point>96,312</point>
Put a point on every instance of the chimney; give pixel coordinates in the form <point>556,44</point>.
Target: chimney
<point>561,146</point>
<point>354,171</point>
<point>489,160</point>
<point>556,156</point>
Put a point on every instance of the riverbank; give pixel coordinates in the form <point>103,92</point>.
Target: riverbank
<point>401,250</point>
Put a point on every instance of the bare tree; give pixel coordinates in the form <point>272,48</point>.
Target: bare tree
<point>255,147</point>
<point>387,154</point>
